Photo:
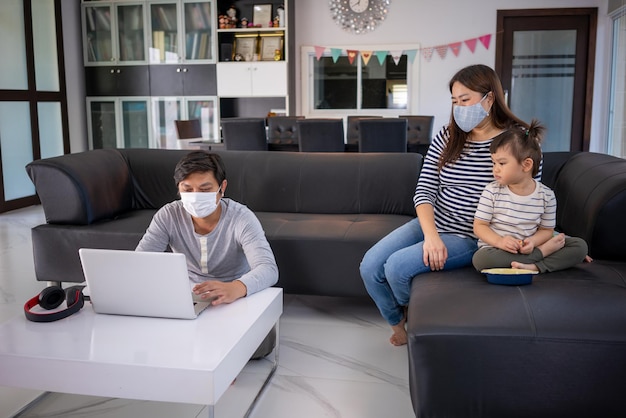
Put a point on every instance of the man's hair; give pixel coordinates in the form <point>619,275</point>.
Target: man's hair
<point>522,143</point>
<point>200,162</point>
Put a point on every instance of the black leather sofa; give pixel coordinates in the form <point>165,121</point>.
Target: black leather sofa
<point>555,348</point>
<point>320,211</point>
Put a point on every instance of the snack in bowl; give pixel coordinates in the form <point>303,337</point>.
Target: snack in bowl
<point>509,276</point>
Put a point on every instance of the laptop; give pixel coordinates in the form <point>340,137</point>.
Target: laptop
<point>154,284</point>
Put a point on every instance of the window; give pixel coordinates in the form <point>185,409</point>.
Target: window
<point>617,108</point>
<point>339,87</point>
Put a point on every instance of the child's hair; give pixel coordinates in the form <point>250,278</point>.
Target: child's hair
<point>523,143</point>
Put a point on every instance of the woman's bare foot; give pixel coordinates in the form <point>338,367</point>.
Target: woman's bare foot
<point>399,336</point>
<point>552,245</point>
<point>517,265</point>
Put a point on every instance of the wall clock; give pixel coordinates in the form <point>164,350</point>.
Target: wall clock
<point>359,16</point>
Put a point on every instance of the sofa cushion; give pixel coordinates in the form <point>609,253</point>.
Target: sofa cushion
<point>323,183</point>
<point>55,247</point>
<point>319,254</point>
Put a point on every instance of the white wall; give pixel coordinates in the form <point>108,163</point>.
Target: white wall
<point>74,75</point>
<point>440,22</point>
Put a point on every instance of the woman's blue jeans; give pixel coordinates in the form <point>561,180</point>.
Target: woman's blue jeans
<point>389,267</point>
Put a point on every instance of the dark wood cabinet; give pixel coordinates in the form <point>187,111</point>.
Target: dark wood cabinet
<point>121,80</point>
<point>183,80</point>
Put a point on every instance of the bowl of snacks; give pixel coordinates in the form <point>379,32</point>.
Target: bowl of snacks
<point>509,276</point>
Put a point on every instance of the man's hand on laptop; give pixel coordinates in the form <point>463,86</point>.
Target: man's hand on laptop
<point>221,292</point>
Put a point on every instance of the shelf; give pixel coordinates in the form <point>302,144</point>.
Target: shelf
<point>250,30</point>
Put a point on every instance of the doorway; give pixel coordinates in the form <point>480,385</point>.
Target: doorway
<point>545,60</point>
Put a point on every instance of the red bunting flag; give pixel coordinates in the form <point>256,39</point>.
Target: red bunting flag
<point>442,50</point>
<point>456,48</point>
<point>352,55</point>
<point>319,51</point>
<point>471,44</point>
<point>485,39</point>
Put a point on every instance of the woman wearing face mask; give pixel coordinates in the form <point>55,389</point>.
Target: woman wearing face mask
<point>225,246</point>
<point>456,169</point>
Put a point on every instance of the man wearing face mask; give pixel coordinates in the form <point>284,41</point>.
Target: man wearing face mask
<point>227,253</point>
<point>456,169</point>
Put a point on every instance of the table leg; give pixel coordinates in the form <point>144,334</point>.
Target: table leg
<point>270,374</point>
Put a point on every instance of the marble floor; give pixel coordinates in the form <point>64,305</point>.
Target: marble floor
<point>335,359</point>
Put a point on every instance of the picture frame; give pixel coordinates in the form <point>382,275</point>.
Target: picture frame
<point>269,45</point>
<point>262,15</point>
<point>245,46</point>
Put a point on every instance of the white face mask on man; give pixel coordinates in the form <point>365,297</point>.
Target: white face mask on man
<point>200,204</point>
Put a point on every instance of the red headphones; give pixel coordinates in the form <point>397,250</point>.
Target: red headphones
<point>52,297</point>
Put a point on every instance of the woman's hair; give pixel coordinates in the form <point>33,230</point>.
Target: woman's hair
<point>522,143</point>
<point>481,79</point>
<point>200,162</point>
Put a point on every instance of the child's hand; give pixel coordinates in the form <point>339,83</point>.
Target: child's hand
<point>510,244</point>
<point>526,246</point>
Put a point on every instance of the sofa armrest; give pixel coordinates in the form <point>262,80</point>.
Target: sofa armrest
<point>591,195</point>
<point>82,188</point>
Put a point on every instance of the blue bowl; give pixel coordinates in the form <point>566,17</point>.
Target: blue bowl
<point>509,276</point>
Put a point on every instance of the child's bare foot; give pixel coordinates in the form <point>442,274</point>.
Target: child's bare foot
<point>552,245</point>
<point>517,265</point>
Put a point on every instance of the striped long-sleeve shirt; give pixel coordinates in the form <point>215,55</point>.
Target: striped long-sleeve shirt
<point>454,191</point>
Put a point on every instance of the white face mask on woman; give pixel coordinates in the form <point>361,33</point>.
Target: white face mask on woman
<point>468,117</point>
<point>200,204</point>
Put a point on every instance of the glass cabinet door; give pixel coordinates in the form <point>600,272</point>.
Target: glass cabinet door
<point>205,110</point>
<point>131,40</point>
<point>135,123</point>
<point>102,123</point>
<point>98,35</point>
<point>165,40</point>
<point>198,21</point>
<point>165,111</point>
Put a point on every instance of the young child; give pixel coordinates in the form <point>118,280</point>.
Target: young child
<point>516,214</point>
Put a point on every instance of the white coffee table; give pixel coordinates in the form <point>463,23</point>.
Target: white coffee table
<point>185,361</point>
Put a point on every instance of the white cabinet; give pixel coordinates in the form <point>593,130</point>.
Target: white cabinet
<point>252,79</point>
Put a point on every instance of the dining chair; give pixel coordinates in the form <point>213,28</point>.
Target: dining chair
<point>352,133</point>
<point>188,131</point>
<point>244,134</point>
<point>383,135</point>
<point>283,129</point>
<point>419,132</point>
<point>321,135</point>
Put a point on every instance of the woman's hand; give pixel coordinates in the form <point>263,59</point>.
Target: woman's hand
<point>221,292</point>
<point>435,253</point>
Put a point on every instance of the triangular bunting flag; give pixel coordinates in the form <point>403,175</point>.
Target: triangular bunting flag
<point>427,53</point>
<point>471,44</point>
<point>456,48</point>
<point>485,39</point>
<point>335,53</point>
<point>365,56</point>
<point>319,51</point>
<point>352,55</point>
<point>381,55</point>
<point>396,55</point>
<point>410,55</point>
<point>442,50</point>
